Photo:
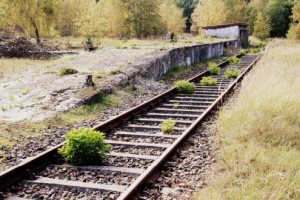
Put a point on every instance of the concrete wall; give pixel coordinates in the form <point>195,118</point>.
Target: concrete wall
<point>156,67</point>
<point>227,32</point>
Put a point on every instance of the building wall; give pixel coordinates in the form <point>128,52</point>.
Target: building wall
<point>227,32</point>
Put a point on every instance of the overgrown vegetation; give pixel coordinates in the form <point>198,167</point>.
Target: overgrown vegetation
<point>242,52</point>
<point>258,132</point>
<point>213,69</point>
<point>208,81</point>
<point>255,50</point>
<point>234,60</point>
<point>167,126</point>
<point>185,87</point>
<point>84,147</point>
<point>232,72</point>
<point>67,71</point>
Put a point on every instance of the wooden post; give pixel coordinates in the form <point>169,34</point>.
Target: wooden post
<point>89,80</point>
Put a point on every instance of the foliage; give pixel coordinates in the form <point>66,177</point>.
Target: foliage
<point>279,12</point>
<point>185,87</point>
<point>173,20</point>
<point>232,72</point>
<point>234,60</point>
<point>167,126</point>
<point>213,68</point>
<point>242,52</point>
<point>258,132</point>
<point>208,81</point>
<point>188,7</point>
<point>84,147</point>
<point>209,12</point>
<point>67,71</point>
<point>294,31</point>
<point>236,11</point>
<point>262,26</point>
<point>255,50</point>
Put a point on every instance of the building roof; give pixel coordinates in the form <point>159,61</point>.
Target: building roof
<point>225,26</point>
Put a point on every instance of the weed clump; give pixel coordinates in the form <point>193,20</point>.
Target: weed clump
<point>167,126</point>
<point>208,81</point>
<point>67,71</point>
<point>84,146</point>
<point>234,60</point>
<point>242,52</point>
<point>185,87</point>
<point>213,69</point>
<point>25,91</point>
<point>232,72</point>
<point>254,50</point>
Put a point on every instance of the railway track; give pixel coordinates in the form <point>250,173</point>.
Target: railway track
<point>139,149</point>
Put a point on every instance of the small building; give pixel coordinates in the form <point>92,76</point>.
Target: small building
<point>235,30</point>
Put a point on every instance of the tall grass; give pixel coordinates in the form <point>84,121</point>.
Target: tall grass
<point>259,132</point>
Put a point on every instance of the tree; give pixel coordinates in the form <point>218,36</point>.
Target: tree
<point>279,12</point>
<point>143,17</point>
<point>172,17</point>
<point>236,11</point>
<point>294,31</point>
<point>188,7</point>
<point>209,12</point>
<point>262,26</point>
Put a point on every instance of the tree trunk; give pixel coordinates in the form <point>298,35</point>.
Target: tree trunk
<point>36,30</point>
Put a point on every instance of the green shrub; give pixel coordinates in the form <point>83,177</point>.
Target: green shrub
<point>213,68</point>
<point>262,44</point>
<point>242,52</point>
<point>67,71</point>
<point>225,58</point>
<point>84,147</point>
<point>254,50</point>
<point>234,60</point>
<point>167,126</point>
<point>185,87</point>
<point>208,81</point>
<point>232,72</point>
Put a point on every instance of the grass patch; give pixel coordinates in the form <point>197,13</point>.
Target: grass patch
<point>177,71</point>
<point>208,81</point>
<point>10,66</point>
<point>25,91</point>
<point>185,87</point>
<point>67,71</point>
<point>232,72</point>
<point>213,69</point>
<point>167,126</point>
<point>234,60</point>
<point>259,130</point>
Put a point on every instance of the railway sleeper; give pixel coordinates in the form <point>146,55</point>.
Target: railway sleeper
<point>190,102</point>
<point>184,106</point>
<point>136,127</point>
<point>173,116</point>
<point>147,135</point>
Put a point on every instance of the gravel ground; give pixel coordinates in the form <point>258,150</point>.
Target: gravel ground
<point>186,170</point>
<point>139,151</point>
<point>91,176</point>
<point>141,139</point>
<point>32,191</point>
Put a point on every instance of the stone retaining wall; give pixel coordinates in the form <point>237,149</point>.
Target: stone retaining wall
<point>157,66</point>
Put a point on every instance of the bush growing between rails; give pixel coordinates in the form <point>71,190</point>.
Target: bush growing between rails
<point>208,81</point>
<point>213,69</point>
<point>167,126</point>
<point>234,60</point>
<point>84,146</point>
<point>232,72</point>
<point>185,87</point>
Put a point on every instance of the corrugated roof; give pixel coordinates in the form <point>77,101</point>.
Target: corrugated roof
<point>225,25</point>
